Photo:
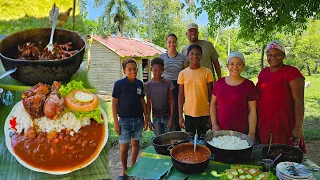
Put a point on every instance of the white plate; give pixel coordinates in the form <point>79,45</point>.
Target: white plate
<point>9,131</point>
<point>282,170</point>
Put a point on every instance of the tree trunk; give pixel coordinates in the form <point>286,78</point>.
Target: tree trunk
<point>262,56</point>
<point>308,67</point>
<point>121,30</point>
<point>315,71</point>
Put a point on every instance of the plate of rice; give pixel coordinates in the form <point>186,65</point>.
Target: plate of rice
<point>59,146</point>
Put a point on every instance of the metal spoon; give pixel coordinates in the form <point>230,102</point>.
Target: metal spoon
<point>195,141</point>
<point>270,141</point>
<point>8,72</point>
<point>54,22</point>
<point>275,159</point>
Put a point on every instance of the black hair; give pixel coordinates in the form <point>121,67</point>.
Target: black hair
<point>127,61</point>
<point>171,34</point>
<point>157,60</point>
<point>194,46</point>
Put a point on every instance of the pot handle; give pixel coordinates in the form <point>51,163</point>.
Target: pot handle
<point>211,157</point>
<point>170,147</point>
<point>203,136</point>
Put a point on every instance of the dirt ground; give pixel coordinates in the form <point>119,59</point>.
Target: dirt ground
<point>313,148</point>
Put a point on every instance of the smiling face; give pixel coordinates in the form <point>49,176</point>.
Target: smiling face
<point>157,71</point>
<point>171,43</point>
<point>194,56</point>
<point>131,71</point>
<point>235,66</point>
<point>275,58</point>
<point>192,35</point>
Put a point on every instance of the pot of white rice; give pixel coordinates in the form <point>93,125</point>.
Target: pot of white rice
<point>229,146</point>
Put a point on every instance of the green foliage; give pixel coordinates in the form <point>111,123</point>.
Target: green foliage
<point>307,49</point>
<point>167,18</point>
<point>311,122</point>
<point>24,14</point>
<point>260,19</point>
<point>118,12</point>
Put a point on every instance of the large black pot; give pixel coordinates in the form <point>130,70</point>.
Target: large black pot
<point>289,153</point>
<point>163,141</point>
<point>33,71</point>
<point>230,156</point>
<point>189,168</point>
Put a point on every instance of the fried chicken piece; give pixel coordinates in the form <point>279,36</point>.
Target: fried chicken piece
<point>34,105</point>
<point>41,89</point>
<point>54,104</point>
<point>33,99</point>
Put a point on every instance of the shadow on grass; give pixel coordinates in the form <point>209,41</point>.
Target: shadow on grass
<point>28,22</point>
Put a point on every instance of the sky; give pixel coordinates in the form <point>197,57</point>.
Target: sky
<point>94,13</point>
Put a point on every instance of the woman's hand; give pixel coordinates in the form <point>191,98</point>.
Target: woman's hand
<point>181,122</point>
<point>297,135</point>
<point>252,136</point>
<point>215,127</point>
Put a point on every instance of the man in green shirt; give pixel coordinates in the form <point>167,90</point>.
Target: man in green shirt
<point>209,53</point>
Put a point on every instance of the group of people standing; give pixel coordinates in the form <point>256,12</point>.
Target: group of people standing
<point>184,93</point>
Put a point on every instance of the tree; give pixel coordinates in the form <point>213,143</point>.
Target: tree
<point>167,17</point>
<point>260,20</point>
<point>119,11</point>
<point>307,47</point>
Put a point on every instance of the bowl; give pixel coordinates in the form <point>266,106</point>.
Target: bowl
<point>163,141</point>
<point>230,156</point>
<point>187,161</point>
<point>289,153</point>
<point>31,72</point>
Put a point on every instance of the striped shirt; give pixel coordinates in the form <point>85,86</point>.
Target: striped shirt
<point>173,66</point>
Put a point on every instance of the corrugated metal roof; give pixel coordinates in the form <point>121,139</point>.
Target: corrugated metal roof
<point>127,47</point>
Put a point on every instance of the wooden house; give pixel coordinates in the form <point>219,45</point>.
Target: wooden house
<point>106,54</point>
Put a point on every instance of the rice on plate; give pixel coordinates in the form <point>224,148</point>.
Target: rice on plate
<point>229,143</point>
<point>67,120</point>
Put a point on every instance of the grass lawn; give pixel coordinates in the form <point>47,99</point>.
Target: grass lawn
<point>18,15</point>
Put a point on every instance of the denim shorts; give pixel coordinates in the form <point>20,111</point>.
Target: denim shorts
<point>160,124</point>
<point>130,128</point>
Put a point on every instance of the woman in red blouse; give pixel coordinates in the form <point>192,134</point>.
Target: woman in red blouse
<point>281,100</point>
<point>234,100</point>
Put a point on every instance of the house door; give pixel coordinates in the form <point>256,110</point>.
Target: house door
<point>145,67</point>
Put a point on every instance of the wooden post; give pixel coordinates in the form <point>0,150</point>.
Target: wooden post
<point>73,13</point>
<point>262,56</point>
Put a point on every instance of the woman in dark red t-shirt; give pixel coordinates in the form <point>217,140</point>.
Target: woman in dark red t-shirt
<point>281,102</point>
<point>234,100</point>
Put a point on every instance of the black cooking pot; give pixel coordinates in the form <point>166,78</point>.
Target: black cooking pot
<point>33,71</point>
<point>189,168</point>
<point>229,156</point>
<point>163,141</point>
<point>289,153</point>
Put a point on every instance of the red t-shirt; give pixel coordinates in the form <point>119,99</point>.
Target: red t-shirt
<point>232,104</point>
<point>276,112</point>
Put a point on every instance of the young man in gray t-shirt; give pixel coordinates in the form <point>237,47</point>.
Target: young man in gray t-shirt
<point>159,92</point>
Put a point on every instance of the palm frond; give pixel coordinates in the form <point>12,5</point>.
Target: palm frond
<point>111,4</point>
<point>132,9</point>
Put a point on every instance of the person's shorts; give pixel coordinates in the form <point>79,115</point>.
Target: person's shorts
<point>196,123</point>
<point>130,128</point>
<point>160,124</point>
